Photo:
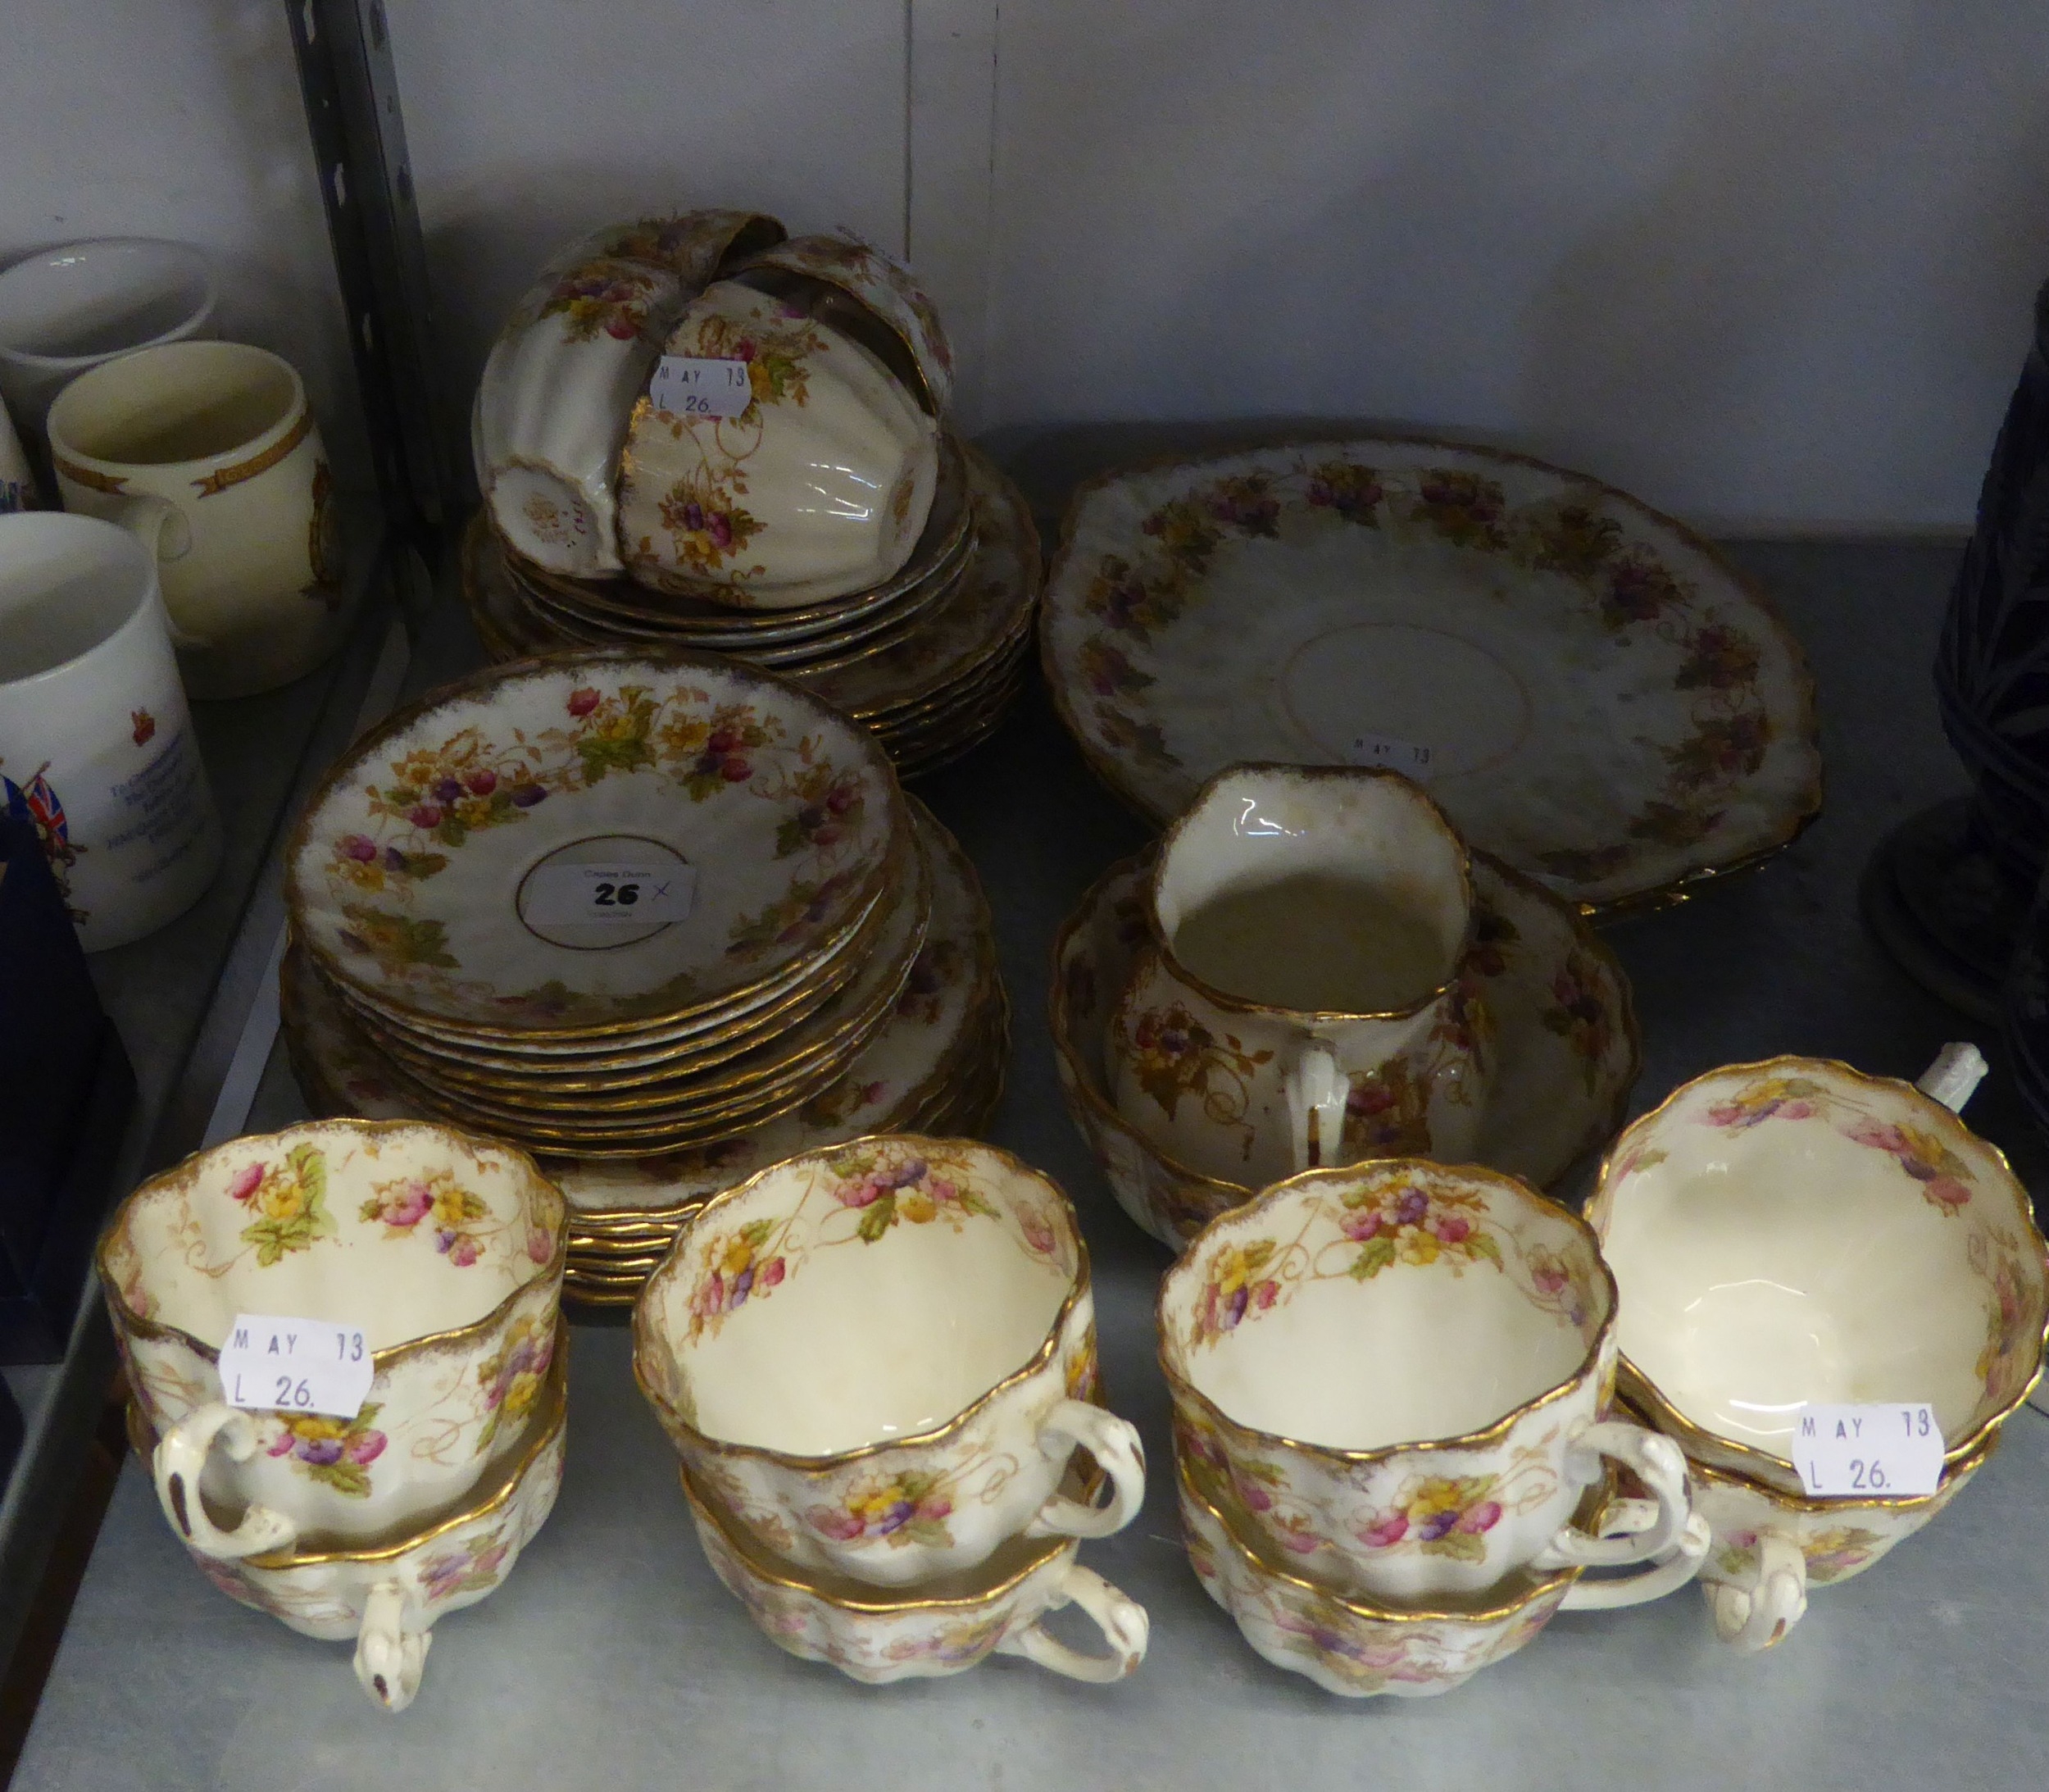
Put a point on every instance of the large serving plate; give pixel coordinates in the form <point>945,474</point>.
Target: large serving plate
<point>1549,1005</point>
<point>1603,701</point>
<point>411,878</point>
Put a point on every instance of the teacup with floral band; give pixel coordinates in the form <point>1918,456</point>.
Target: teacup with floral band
<point>1307,925</point>
<point>447,1251</point>
<point>1396,1377</point>
<point>1795,1231</point>
<point>878,1358</point>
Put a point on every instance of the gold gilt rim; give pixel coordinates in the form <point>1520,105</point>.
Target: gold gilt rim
<point>1264,1567</point>
<point>1644,1392</point>
<point>190,1167</point>
<point>972,677</point>
<point>1062,1025</point>
<point>1672,890</point>
<point>659,662</point>
<point>212,473</point>
<point>1483,1437</point>
<point>644,1323</point>
<point>965,710</point>
<point>1270,768</point>
<point>1807,1505</point>
<point>758,1565</point>
<point>546,1426</point>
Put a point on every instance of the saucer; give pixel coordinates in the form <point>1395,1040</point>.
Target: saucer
<point>1565,1047</point>
<point>1588,689</point>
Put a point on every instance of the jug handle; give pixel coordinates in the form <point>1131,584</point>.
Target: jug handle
<point>180,1457</point>
<point>1954,1077</point>
<point>1317,1089</point>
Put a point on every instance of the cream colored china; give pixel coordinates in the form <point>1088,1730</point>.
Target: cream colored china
<point>95,736</point>
<point>411,877</point>
<point>1488,1320</point>
<point>445,1250</point>
<point>1350,1647</point>
<point>1606,704</point>
<point>388,1598</point>
<point>818,489</point>
<point>67,309</point>
<point>1550,1003</point>
<point>575,354</point>
<point>1795,1231</point>
<point>1307,926</point>
<point>878,283</point>
<point>208,451</point>
<point>996,1608</point>
<point>879,1357</point>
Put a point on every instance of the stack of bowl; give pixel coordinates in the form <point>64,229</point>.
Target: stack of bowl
<point>1795,1232</point>
<point>643,915</point>
<point>694,432</point>
<point>892,1509</point>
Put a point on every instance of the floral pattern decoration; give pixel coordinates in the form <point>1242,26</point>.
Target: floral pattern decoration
<point>287,1202</point>
<point>337,1452</point>
<point>1175,1055</point>
<point>909,1505</point>
<point>512,1378</point>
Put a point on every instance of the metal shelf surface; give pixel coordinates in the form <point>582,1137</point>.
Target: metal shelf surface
<point>612,1653</point>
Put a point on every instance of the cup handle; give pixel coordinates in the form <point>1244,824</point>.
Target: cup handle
<point>180,1456</point>
<point>165,534</point>
<point>1317,1088</point>
<point>389,1658</point>
<point>1664,1532</point>
<point>1120,1618</point>
<point>1116,1445</point>
<point>1755,1617</point>
<point>1954,1077</point>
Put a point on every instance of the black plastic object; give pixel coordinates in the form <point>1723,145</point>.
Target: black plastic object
<point>66,1091</point>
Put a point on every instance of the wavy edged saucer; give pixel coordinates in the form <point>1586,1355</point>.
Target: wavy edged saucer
<point>1606,704</point>
<point>1566,1043</point>
<point>411,877</point>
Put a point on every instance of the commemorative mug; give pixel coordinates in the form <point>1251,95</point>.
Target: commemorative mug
<point>445,1252</point>
<point>96,740</point>
<point>1396,1377</point>
<point>208,451</point>
<point>1793,1232</point>
<point>1298,1003</point>
<point>880,1359</point>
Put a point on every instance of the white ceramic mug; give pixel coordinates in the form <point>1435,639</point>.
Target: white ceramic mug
<point>208,451</point>
<point>94,732</point>
<point>17,478</point>
<point>68,308</point>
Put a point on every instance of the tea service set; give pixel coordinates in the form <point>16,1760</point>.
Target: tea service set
<point>198,554</point>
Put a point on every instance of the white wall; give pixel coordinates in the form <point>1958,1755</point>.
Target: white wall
<point>1767,262</point>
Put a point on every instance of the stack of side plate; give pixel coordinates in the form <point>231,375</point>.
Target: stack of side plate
<point>930,663</point>
<point>936,1065</point>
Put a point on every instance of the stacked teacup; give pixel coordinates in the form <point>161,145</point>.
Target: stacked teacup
<point>877,1364</point>
<point>1806,1250</point>
<point>346,1362</point>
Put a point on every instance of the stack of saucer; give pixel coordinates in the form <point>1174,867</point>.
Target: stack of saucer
<point>612,905</point>
<point>936,1064</point>
<point>930,661</point>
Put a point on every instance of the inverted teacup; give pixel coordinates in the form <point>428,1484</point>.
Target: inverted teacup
<point>1795,1231</point>
<point>447,1250</point>
<point>878,1358</point>
<point>1395,1377</point>
<point>1298,1002</point>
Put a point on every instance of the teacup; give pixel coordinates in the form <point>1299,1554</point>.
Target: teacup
<point>387,1598</point>
<point>1298,1003</point>
<point>1350,1647</point>
<point>880,1359</point>
<point>1395,1376</point>
<point>1795,1231</point>
<point>447,1250</point>
<point>95,735</point>
<point>208,451</point>
<point>996,1608</point>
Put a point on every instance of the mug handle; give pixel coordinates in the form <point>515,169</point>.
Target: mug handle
<point>389,1658</point>
<point>1756,1617</point>
<point>1317,1088</point>
<point>165,534</point>
<point>1115,1443</point>
<point>180,1456</point>
<point>1664,1531</point>
<point>1120,1618</point>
